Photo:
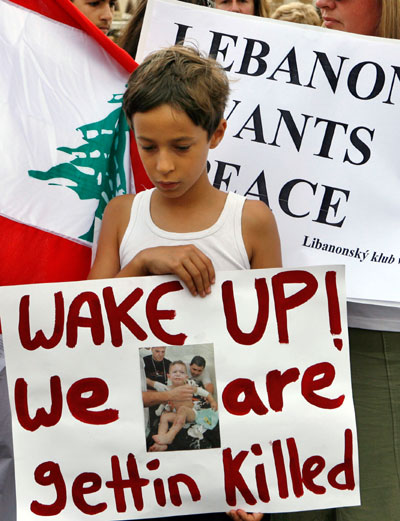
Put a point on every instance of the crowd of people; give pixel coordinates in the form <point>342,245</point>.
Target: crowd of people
<point>101,14</point>
<point>176,206</point>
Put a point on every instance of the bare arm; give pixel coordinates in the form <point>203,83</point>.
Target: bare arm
<point>187,262</point>
<point>113,226</point>
<point>210,399</point>
<point>180,393</point>
<point>261,236</point>
<point>209,387</point>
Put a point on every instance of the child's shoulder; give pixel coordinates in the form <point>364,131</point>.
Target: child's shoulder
<point>117,213</point>
<point>119,202</point>
<point>260,235</point>
<point>256,213</point>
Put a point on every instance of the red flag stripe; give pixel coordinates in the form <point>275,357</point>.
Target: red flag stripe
<point>65,12</point>
<point>30,255</point>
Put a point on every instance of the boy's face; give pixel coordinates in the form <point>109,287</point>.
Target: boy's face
<point>173,149</point>
<point>178,374</point>
<point>99,12</point>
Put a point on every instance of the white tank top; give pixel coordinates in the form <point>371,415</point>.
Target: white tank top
<point>222,242</point>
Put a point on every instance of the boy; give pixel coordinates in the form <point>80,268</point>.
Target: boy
<point>175,103</point>
<point>180,411</point>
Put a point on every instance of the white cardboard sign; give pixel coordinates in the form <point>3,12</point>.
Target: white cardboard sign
<point>275,343</point>
<point>313,124</point>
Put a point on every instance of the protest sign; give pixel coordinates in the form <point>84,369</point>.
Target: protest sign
<point>275,341</point>
<point>312,131</point>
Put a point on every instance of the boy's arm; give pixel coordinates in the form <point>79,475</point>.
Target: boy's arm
<point>113,226</point>
<point>186,261</point>
<point>260,235</point>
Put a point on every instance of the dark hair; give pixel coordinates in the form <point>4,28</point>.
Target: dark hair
<point>129,37</point>
<point>181,77</point>
<point>198,360</point>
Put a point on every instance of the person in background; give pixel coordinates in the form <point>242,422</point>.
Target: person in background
<point>374,335</point>
<point>100,12</point>
<point>297,12</point>
<point>254,7</point>
<point>129,37</point>
<point>369,17</point>
<point>197,371</point>
<point>156,368</point>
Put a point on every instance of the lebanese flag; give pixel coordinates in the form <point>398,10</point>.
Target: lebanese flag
<point>66,144</point>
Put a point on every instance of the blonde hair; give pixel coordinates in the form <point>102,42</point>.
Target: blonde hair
<point>262,8</point>
<point>181,77</point>
<point>389,25</point>
<point>297,12</point>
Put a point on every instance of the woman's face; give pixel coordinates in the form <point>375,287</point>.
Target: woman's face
<point>352,16</point>
<point>236,6</point>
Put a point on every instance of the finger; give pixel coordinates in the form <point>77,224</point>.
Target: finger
<point>242,515</point>
<point>186,277</point>
<point>190,275</point>
<point>194,269</point>
<point>209,265</point>
<point>199,274</point>
<point>199,265</point>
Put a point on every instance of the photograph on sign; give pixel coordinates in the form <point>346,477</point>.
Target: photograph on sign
<point>181,424</point>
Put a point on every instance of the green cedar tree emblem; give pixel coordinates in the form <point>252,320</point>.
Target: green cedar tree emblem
<point>97,169</point>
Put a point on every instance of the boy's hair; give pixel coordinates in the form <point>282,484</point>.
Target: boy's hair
<point>177,362</point>
<point>184,79</point>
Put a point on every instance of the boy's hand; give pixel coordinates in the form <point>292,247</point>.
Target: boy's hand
<point>187,262</point>
<point>241,515</point>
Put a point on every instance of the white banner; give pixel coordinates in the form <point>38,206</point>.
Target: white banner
<point>275,344</point>
<point>313,125</point>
